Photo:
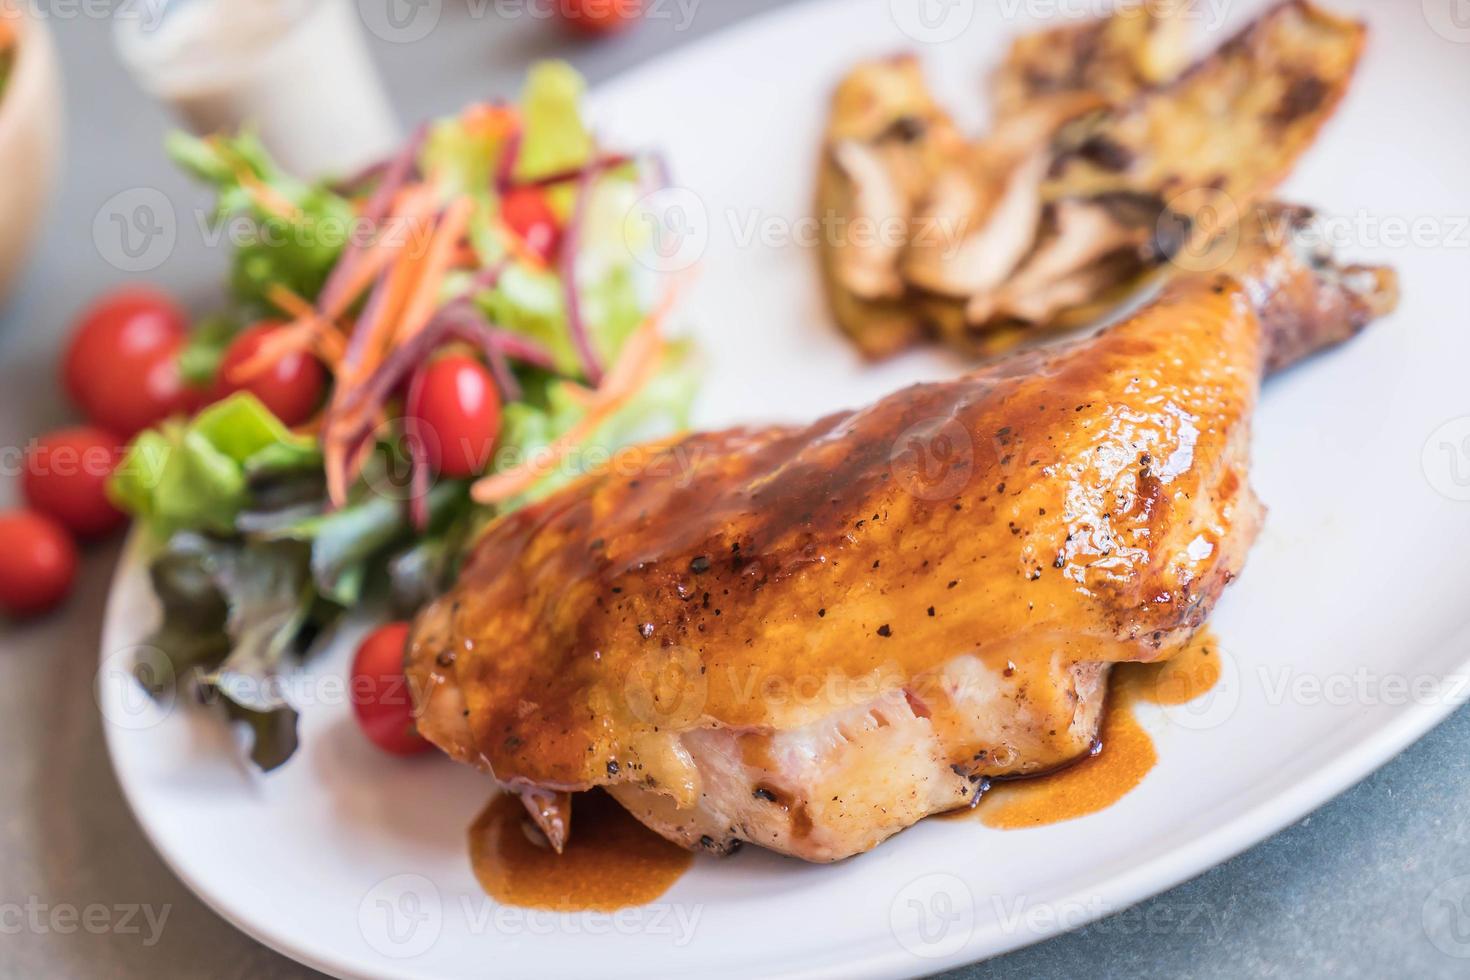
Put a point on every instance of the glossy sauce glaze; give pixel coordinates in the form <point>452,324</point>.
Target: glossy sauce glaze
<point>612,862</point>
<point>1093,510</point>
<point>1124,753</point>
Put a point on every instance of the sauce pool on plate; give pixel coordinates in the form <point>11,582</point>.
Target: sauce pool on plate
<point>611,861</point>
<point>1188,674</point>
<point>1125,752</point>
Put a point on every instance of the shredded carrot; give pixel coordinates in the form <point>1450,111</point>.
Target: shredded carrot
<point>516,246</point>
<point>413,205</point>
<point>305,332</point>
<point>266,198</point>
<point>331,347</point>
<point>315,331</point>
<point>401,279</point>
<point>377,332</point>
<point>636,365</point>
<point>420,305</point>
<point>295,336</point>
<point>494,121</point>
<point>289,301</point>
<point>334,462</point>
<point>579,393</point>
<point>312,426</point>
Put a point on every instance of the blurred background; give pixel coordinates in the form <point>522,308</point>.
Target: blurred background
<point>85,166</point>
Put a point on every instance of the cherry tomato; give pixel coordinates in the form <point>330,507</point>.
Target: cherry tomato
<point>458,409</point>
<point>381,698</point>
<point>121,367</point>
<point>291,388</point>
<point>529,215</point>
<point>600,16</point>
<point>38,561</point>
<point>66,478</point>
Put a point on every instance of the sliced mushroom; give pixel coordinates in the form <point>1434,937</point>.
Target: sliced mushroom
<point>972,230</point>
<point>1085,285</point>
<point>869,239</point>
<point>981,215</point>
<point>1082,234</point>
<point>886,138</point>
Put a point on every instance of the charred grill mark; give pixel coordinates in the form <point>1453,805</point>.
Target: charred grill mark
<point>1303,96</point>
<point>1106,153</point>
<point>905,129</point>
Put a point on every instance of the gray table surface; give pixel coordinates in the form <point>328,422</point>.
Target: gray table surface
<point>1348,891</point>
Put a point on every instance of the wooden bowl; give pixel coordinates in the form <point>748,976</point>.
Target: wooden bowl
<point>30,136</point>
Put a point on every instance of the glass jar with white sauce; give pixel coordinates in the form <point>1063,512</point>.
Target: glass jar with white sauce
<point>298,71</point>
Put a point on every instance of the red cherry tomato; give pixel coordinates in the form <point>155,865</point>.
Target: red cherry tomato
<point>529,215</point>
<point>38,561</point>
<point>121,366</point>
<point>600,16</point>
<point>66,478</point>
<point>381,698</point>
<point>458,410</point>
<point>291,388</point>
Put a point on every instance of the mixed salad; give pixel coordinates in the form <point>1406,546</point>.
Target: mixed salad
<point>404,356</point>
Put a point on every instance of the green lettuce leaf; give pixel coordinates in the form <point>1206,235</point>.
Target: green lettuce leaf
<point>233,617</point>
<point>533,302</point>
<point>196,475</point>
<point>556,136</point>
<point>659,409</point>
<point>297,252</point>
<point>344,542</point>
<point>464,161</point>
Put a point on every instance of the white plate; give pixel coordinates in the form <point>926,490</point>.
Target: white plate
<point>1343,638</point>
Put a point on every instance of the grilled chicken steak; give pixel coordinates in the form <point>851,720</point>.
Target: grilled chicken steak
<point>811,637</point>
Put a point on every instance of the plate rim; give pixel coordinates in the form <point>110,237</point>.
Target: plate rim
<point>1349,765</point>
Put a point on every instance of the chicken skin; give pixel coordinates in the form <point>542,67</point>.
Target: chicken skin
<point>809,638</point>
